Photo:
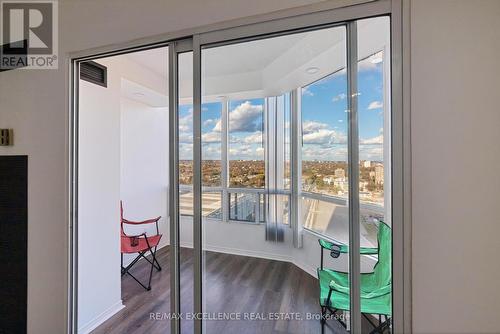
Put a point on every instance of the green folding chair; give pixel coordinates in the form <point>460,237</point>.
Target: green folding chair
<point>376,287</point>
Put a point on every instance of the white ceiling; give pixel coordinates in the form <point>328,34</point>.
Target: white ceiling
<point>269,66</point>
<point>154,59</point>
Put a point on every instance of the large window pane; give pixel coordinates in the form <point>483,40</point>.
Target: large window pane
<point>374,114</point>
<point>185,130</point>
<point>260,80</point>
<point>186,144</point>
<point>324,135</point>
<point>287,115</point>
<point>247,207</point>
<point>246,144</point>
<point>374,126</point>
<point>211,144</point>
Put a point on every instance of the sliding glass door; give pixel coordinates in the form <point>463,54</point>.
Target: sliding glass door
<point>285,174</point>
<point>256,81</point>
<point>283,218</point>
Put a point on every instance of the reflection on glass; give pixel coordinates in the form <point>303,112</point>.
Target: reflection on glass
<point>287,114</point>
<point>331,219</point>
<point>185,128</point>
<point>374,166</point>
<point>324,136</point>
<point>256,81</point>
<point>185,142</point>
<point>211,144</point>
<point>211,203</point>
<point>247,207</point>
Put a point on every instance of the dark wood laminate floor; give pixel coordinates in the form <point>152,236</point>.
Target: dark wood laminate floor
<point>232,284</point>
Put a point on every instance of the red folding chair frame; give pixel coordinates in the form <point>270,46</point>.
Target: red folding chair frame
<point>140,244</point>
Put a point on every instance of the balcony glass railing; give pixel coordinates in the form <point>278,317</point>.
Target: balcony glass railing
<point>329,216</point>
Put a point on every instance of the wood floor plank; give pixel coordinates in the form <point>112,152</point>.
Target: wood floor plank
<point>244,285</point>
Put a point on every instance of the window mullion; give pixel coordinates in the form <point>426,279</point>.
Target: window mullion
<point>224,159</point>
<point>295,166</point>
<point>353,178</point>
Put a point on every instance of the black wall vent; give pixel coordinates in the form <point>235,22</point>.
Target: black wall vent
<point>93,72</point>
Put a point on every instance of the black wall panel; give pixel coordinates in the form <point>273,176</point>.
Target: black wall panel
<point>13,244</point>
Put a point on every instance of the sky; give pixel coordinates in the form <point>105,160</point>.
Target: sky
<point>324,120</point>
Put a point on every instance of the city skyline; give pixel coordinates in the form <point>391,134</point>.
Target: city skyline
<point>324,120</point>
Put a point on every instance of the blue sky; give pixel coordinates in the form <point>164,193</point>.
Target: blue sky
<point>324,116</point>
<point>324,120</point>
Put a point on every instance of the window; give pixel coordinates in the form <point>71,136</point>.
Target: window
<point>325,178</point>
<point>246,144</point>
<point>186,145</point>
<point>374,149</point>
<point>211,144</point>
<point>324,136</point>
<point>186,159</point>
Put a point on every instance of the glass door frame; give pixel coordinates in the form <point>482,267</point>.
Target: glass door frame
<point>283,22</point>
<point>175,49</point>
<point>339,17</point>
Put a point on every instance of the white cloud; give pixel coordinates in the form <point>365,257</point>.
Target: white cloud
<point>211,137</point>
<point>339,97</point>
<point>240,151</point>
<point>373,141</point>
<point>324,137</point>
<point>210,121</point>
<point>318,152</point>
<point>211,152</point>
<point>243,118</point>
<point>254,138</point>
<point>371,152</point>
<point>246,151</point>
<point>186,122</point>
<point>185,151</point>
<point>185,137</point>
<point>314,132</point>
<point>312,126</point>
<point>375,105</point>
<point>234,139</point>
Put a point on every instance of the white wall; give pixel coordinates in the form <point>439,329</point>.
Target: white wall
<point>249,240</point>
<point>34,104</point>
<point>123,156</point>
<point>454,136</point>
<point>144,165</point>
<point>456,182</point>
<point>99,195</point>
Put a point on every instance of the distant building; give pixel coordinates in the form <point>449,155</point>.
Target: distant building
<point>339,173</point>
<point>379,175</point>
<point>367,164</point>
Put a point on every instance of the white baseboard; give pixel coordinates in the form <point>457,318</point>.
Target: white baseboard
<point>252,253</point>
<point>241,252</point>
<point>101,318</point>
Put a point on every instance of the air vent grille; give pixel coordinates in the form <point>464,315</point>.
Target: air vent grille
<point>93,72</point>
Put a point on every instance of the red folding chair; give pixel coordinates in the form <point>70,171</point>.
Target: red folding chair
<point>140,244</point>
